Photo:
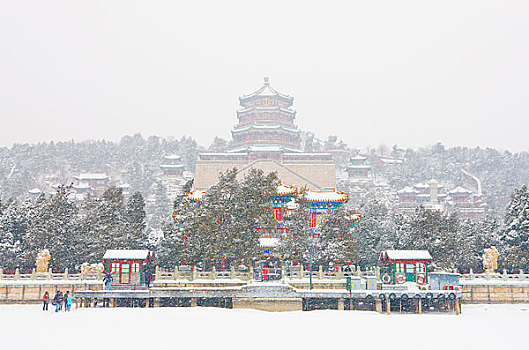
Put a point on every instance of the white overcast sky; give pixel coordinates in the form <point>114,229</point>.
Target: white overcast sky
<point>406,72</point>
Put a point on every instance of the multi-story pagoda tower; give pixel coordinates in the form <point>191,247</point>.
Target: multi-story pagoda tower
<point>266,137</point>
<point>266,124</point>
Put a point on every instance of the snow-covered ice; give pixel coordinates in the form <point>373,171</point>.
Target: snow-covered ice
<point>479,327</point>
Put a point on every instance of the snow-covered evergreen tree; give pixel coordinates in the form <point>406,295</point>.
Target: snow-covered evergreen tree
<point>514,238</point>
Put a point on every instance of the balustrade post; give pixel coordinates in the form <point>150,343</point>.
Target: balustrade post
<point>504,276</point>
<point>339,273</point>
<point>194,275</point>
<point>341,305</point>
<point>213,274</point>
<point>157,273</point>
<point>1,273</point>
<point>487,275</point>
<point>232,272</point>
<point>358,271</point>
<point>34,274</point>
<point>301,272</point>
<point>251,273</point>
<point>65,274</point>
<point>176,273</point>
<point>17,273</point>
<point>471,274</point>
<point>320,272</point>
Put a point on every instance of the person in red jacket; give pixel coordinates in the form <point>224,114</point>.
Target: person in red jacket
<point>46,301</point>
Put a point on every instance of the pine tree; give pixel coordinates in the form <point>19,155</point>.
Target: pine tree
<point>336,243</point>
<point>514,238</point>
<point>135,219</point>
<point>299,245</point>
<point>52,226</point>
<point>375,232</point>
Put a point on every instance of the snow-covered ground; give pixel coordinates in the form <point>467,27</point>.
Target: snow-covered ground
<point>479,327</point>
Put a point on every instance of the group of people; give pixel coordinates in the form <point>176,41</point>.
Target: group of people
<point>60,300</point>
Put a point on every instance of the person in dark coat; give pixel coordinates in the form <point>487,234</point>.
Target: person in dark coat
<point>108,280</point>
<point>65,298</point>
<point>45,301</point>
<point>148,276</point>
<point>57,301</point>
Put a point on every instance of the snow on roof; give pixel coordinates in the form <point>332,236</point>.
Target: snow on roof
<point>408,254</point>
<point>358,157</point>
<point>266,90</point>
<point>426,184</point>
<point>92,176</point>
<point>35,191</point>
<point>172,157</point>
<point>459,189</point>
<point>288,110</point>
<point>196,195</point>
<point>126,254</point>
<point>391,161</point>
<point>285,189</point>
<point>265,127</point>
<point>326,196</point>
<point>268,242</point>
<point>407,189</point>
<point>172,166</point>
<point>360,166</point>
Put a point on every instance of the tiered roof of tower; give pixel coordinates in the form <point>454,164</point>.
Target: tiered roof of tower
<point>266,122</point>
<point>265,129</point>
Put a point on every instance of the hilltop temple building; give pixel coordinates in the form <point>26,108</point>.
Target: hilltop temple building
<point>267,138</point>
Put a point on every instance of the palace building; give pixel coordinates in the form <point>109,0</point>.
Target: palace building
<point>267,138</point>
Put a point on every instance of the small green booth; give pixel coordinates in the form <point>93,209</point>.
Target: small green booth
<point>129,268</point>
<point>399,266</point>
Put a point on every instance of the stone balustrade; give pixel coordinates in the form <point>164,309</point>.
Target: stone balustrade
<point>61,276</point>
<point>494,277</point>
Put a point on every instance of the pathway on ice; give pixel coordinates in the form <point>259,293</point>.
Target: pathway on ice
<point>480,327</point>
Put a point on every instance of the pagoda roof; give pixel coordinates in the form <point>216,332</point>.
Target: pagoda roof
<point>283,190</point>
<point>172,157</point>
<point>459,189</point>
<point>171,166</point>
<point>358,157</point>
<point>266,108</point>
<point>326,196</point>
<point>266,90</point>
<point>407,189</point>
<point>196,195</point>
<point>359,167</point>
<point>92,176</point>
<point>264,127</point>
<point>266,242</point>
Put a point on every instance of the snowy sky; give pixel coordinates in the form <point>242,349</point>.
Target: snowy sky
<point>370,72</point>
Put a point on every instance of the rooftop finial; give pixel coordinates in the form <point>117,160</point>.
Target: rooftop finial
<point>266,81</point>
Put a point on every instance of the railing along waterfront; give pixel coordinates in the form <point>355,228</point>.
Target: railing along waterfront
<point>50,275</point>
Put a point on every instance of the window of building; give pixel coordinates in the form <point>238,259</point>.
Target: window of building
<point>115,268</point>
<point>399,267</point>
<point>135,268</point>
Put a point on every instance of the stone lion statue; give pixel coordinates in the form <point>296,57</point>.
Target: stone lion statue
<point>43,259</point>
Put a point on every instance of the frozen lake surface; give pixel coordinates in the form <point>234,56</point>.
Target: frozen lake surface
<point>479,327</point>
